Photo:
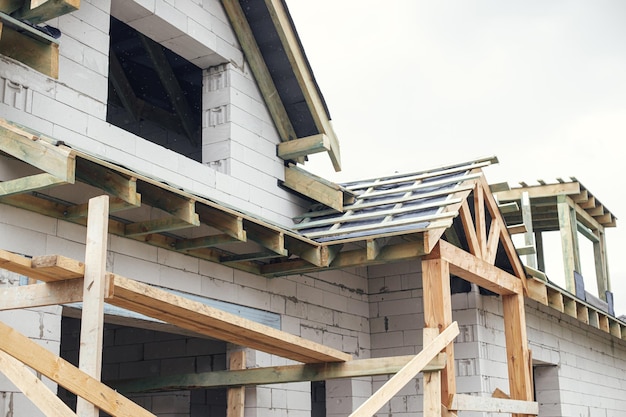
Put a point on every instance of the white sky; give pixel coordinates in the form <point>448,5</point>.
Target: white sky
<point>413,84</point>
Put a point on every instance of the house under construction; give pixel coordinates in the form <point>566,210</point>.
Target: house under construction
<point>164,252</point>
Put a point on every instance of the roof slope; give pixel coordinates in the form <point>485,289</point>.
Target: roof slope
<point>398,204</point>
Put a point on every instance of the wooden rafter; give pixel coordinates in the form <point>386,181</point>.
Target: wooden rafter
<point>303,74</point>
<point>259,69</point>
<point>316,188</point>
<point>407,373</point>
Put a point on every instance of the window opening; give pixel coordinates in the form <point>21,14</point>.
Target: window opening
<point>154,92</point>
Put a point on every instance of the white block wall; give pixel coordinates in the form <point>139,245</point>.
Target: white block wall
<point>240,168</point>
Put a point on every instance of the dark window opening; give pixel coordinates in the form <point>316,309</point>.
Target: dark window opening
<point>153,92</point>
<point>318,399</point>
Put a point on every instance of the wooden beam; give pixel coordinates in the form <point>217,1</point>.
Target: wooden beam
<point>276,374</point>
<point>569,243</point>
<point>33,388</point>
<point>39,11</point>
<point>58,161</point>
<point>200,318</point>
<point>94,287</point>
<point>539,191</point>
<point>236,396</point>
<point>518,355</point>
<point>35,51</point>
<point>473,269</point>
<point>66,375</point>
<point>295,55</point>
<point>314,187</point>
<point>176,205</point>
<point>297,148</point>
<point>259,69</point>
<point>230,224</point>
<point>407,373</point>
<point>271,239</point>
<point>9,6</point>
<point>27,184</point>
<point>470,230</point>
<point>464,402</point>
<point>205,242</point>
<point>432,381</point>
<point>172,88</point>
<point>38,295</point>
<point>109,181</point>
<point>309,251</point>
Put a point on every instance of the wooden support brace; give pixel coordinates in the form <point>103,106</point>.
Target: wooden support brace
<point>32,387</point>
<point>406,374</point>
<point>432,381</point>
<point>66,375</point>
<point>463,402</point>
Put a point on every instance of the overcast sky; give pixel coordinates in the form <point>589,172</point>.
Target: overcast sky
<point>414,84</point>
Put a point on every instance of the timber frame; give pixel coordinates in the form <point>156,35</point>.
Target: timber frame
<point>472,243</point>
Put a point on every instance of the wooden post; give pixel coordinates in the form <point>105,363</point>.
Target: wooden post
<point>529,238</point>
<point>567,243</point>
<point>92,323</point>
<point>438,312</point>
<point>432,381</point>
<point>236,396</point>
<point>518,355</point>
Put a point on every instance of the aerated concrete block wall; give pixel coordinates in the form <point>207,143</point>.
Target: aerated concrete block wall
<point>240,166</point>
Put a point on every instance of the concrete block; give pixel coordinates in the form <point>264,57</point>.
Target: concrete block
<point>252,298</point>
<point>178,260</point>
<point>54,111</point>
<point>84,79</point>
<point>174,403</point>
<point>64,247</point>
<point>298,400</point>
<point>72,26</point>
<point>404,306</point>
<point>95,17</point>
<point>319,314</point>
<point>133,248</point>
<point>387,340</point>
<point>179,280</point>
<point>123,353</point>
<point>177,366</point>
<point>136,268</point>
<point>27,221</point>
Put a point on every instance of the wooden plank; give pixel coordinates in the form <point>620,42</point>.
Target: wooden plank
<point>58,161</point>
<point>39,11</point>
<point>259,69</point>
<point>198,317</point>
<point>28,184</point>
<point>236,396</point>
<point>516,229</point>
<point>67,375</point>
<point>276,374</point>
<point>38,295</point>
<point>298,148</point>
<point>493,240</point>
<point>311,186</point>
<point>407,373</point>
<point>615,328</point>
<point>94,286</point>
<point>438,312</point>
<point>603,323</point>
<point>473,269</point>
<point>59,267</point>
<point>23,266</point>
<point>432,381</point>
<point>518,355</point>
<point>33,388</point>
<point>309,251</point>
<point>464,402</point>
